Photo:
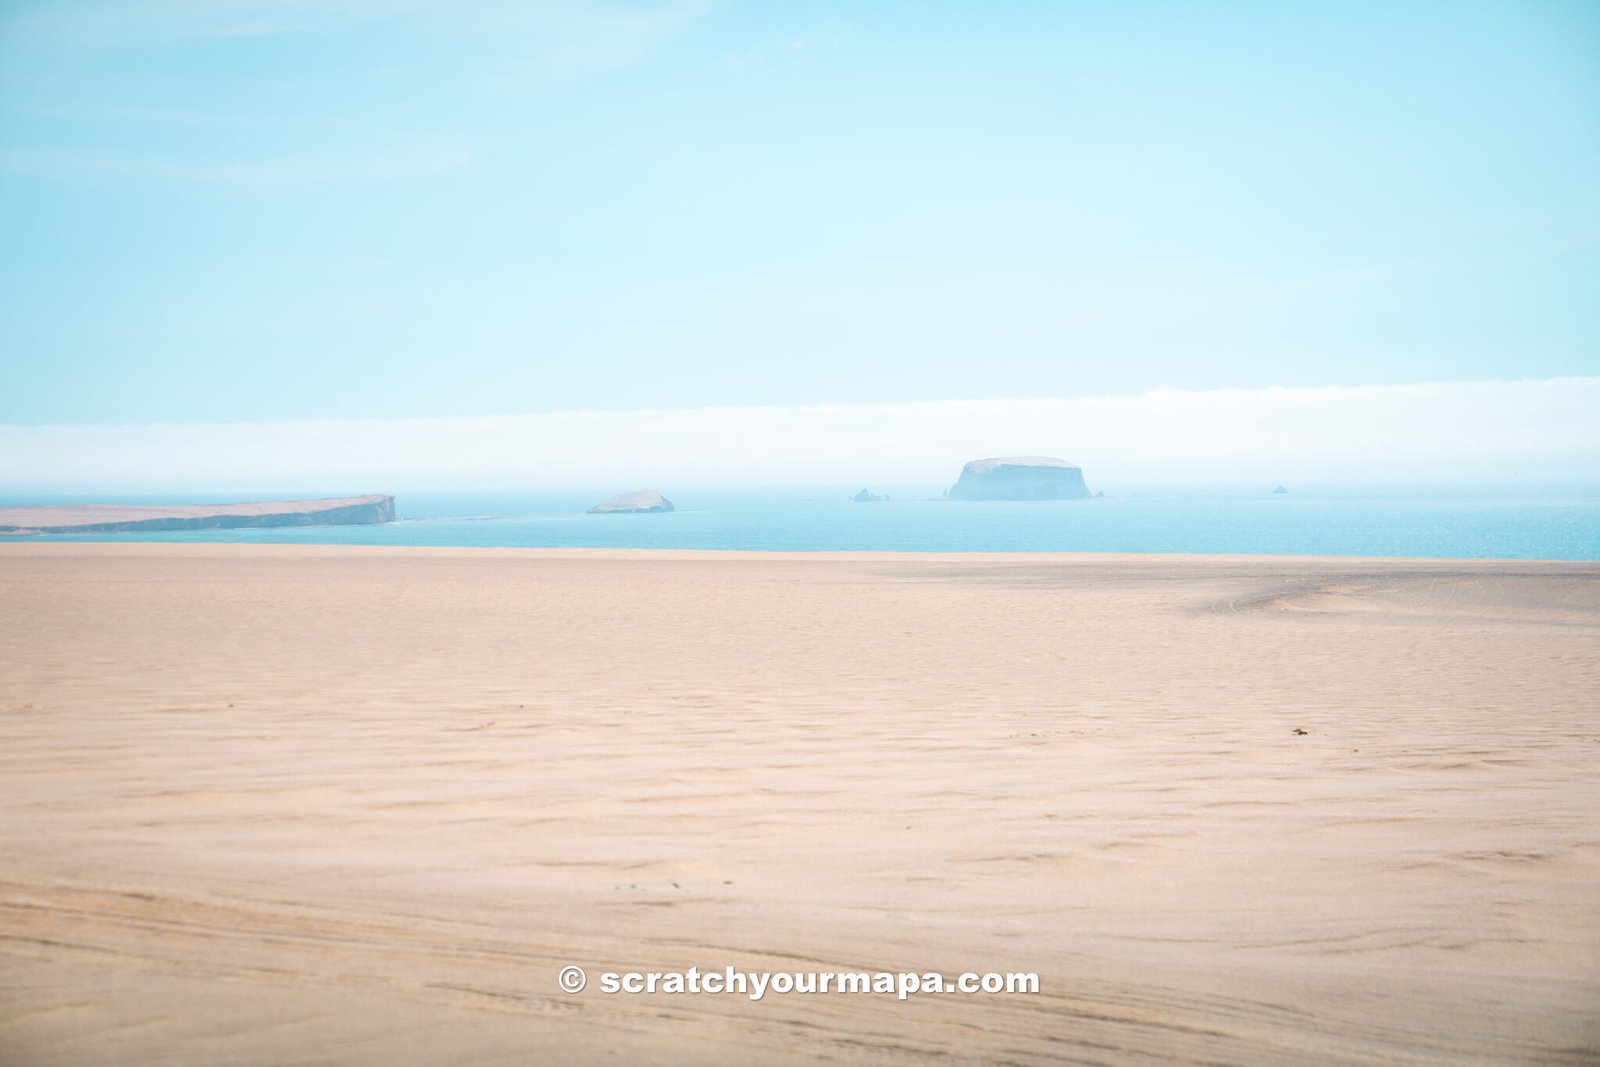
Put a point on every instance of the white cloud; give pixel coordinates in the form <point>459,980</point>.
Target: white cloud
<point>1446,434</point>
<point>577,33</point>
<point>492,46</point>
<point>122,21</point>
<point>414,162</point>
<point>575,39</point>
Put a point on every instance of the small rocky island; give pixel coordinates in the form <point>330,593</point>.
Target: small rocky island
<point>641,501</point>
<point>867,496</point>
<point>128,518</point>
<point>1281,489</point>
<point>1019,478</point>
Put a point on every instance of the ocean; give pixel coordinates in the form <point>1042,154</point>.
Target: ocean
<point>1518,524</point>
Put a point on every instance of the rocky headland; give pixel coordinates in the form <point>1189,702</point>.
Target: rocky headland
<point>131,518</point>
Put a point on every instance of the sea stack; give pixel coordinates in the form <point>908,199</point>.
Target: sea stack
<point>641,501</point>
<point>1020,478</point>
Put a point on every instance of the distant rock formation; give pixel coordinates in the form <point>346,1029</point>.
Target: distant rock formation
<point>638,502</point>
<point>1280,489</point>
<point>1019,478</point>
<point>867,496</point>
<point>126,518</point>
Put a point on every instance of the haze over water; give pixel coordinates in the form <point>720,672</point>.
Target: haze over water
<point>1512,524</point>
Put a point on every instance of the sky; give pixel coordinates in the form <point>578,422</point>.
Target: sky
<point>261,212</point>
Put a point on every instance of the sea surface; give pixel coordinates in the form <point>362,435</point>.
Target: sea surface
<point>1514,524</point>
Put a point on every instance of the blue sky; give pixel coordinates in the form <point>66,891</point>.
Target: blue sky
<point>259,210</point>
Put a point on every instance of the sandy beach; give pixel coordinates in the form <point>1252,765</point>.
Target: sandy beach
<point>332,805</point>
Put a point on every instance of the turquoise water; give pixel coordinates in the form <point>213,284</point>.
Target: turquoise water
<point>1519,525</point>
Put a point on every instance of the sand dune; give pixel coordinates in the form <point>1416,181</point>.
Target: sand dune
<point>301,805</point>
